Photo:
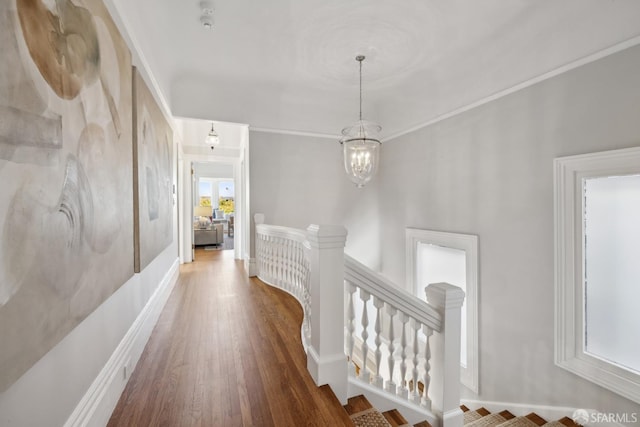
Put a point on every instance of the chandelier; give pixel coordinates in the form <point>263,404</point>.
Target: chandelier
<point>212,138</point>
<point>361,146</point>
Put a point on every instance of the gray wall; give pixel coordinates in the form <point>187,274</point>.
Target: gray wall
<point>300,180</point>
<point>489,172</point>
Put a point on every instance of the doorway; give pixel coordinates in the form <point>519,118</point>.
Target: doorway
<point>214,206</point>
<point>229,159</point>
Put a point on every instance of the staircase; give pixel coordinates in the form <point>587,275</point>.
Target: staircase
<point>365,336</point>
<point>483,418</point>
<point>363,414</point>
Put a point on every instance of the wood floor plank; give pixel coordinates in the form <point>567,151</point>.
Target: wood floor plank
<point>226,351</point>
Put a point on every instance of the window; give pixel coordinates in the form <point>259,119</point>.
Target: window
<point>434,256</point>
<point>226,196</point>
<point>204,191</point>
<point>597,219</point>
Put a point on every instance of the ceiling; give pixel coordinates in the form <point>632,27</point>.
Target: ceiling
<point>289,65</point>
<point>194,132</point>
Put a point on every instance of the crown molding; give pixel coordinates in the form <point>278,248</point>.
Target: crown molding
<point>553,73</point>
<point>295,133</point>
<point>560,70</point>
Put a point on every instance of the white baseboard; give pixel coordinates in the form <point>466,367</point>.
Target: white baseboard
<point>97,404</point>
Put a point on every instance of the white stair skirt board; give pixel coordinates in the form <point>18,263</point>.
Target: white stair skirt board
<point>97,404</point>
<point>549,413</point>
<point>383,401</point>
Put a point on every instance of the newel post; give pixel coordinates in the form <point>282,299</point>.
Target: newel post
<point>445,383</point>
<point>326,360</point>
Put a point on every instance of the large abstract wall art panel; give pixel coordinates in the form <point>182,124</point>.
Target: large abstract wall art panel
<point>66,202</point>
<point>153,143</point>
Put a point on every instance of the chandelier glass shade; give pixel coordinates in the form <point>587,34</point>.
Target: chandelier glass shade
<point>361,151</point>
<point>361,146</point>
<point>212,138</point>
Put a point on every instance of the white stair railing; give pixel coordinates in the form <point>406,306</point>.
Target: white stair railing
<point>405,359</point>
<point>413,333</point>
<point>282,256</point>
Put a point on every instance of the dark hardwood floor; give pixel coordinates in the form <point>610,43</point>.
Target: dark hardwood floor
<point>226,352</point>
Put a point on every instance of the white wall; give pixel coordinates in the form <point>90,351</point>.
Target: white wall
<point>489,172</point>
<point>49,392</point>
<point>213,170</point>
<point>300,180</point>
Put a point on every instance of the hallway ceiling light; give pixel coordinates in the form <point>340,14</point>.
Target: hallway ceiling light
<point>212,138</point>
<point>206,16</point>
<point>361,146</point>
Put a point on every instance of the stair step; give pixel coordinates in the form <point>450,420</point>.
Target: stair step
<point>491,420</point>
<point>537,419</point>
<point>563,422</point>
<point>357,404</point>
<point>519,422</point>
<point>395,418</point>
<point>470,416</point>
<point>506,414</point>
<point>483,411</point>
<point>369,417</point>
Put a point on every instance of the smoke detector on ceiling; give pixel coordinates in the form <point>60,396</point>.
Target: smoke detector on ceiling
<point>206,14</point>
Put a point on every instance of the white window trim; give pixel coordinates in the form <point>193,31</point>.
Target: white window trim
<point>569,173</point>
<point>469,244</point>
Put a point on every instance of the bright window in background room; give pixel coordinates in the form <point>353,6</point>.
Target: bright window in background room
<point>226,193</point>
<point>597,230</point>
<point>436,256</point>
<point>204,192</point>
<point>612,269</point>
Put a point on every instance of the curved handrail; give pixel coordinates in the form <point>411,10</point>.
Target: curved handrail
<point>283,262</point>
<point>295,234</point>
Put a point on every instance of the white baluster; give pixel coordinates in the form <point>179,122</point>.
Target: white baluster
<point>282,259</point>
<point>415,394</point>
<point>274,260</point>
<point>261,260</point>
<point>279,261</point>
<point>297,265</point>
<point>391,386</point>
<point>305,278</point>
<point>270,258</point>
<point>351,325</point>
<point>295,270</point>
<point>378,304</point>
<point>426,402</point>
<point>285,277</point>
<point>364,373</point>
<point>402,389</point>
<point>290,279</point>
